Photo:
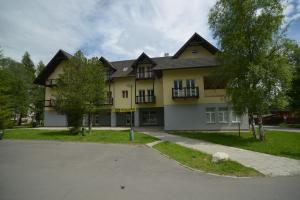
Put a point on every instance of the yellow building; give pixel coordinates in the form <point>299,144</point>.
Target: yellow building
<point>175,92</point>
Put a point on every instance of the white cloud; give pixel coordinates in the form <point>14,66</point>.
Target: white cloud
<point>115,29</point>
<point>288,8</point>
<point>109,28</point>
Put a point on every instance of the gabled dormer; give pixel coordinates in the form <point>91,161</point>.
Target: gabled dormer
<point>196,47</point>
<point>143,67</point>
<point>109,69</point>
<point>50,73</point>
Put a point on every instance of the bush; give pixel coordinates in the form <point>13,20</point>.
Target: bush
<point>33,124</point>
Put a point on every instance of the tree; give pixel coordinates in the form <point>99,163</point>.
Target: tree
<point>18,87</point>
<point>253,58</point>
<point>38,96</point>
<point>79,89</point>
<point>5,111</point>
<point>294,92</point>
<point>28,64</point>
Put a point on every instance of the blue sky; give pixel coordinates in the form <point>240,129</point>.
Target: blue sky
<point>115,29</point>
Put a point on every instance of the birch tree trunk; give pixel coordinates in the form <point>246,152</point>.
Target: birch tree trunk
<point>252,124</point>
<point>261,128</point>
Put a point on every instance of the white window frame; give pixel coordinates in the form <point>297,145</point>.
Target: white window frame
<point>211,112</point>
<point>235,118</point>
<point>223,111</point>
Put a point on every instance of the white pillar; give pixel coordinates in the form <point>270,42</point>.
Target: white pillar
<point>113,119</point>
<point>137,118</point>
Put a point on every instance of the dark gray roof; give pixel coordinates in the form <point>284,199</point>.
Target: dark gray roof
<point>124,68</point>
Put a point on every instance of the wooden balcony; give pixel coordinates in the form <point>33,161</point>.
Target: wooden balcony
<point>144,99</point>
<point>185,92</point>
<point>108,101</point>
<point>144,75</point>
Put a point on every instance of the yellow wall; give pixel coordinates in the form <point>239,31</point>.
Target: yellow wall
<point>182,74</point>
<point>57,71</point>
<point>201,52</point>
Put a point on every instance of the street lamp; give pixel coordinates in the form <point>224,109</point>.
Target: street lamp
<point>131,134</point>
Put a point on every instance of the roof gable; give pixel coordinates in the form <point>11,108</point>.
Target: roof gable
<point>196,39</point>
<point>143,58</point>
<point>51,66</point>
<point>107,63</point>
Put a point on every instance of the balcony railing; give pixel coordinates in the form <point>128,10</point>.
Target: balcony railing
<point>49,103</point>
<point>51,82</point>
<point>185,92</point>
<point>108,101</point>
<point>145,75</point>
<point>145,99</point>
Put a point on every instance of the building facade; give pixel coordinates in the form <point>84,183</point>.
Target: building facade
<point>176,92</point>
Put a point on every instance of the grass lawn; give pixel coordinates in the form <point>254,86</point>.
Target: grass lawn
<point>278,143</point>
<point>104,136</point>
<point>202,161</point>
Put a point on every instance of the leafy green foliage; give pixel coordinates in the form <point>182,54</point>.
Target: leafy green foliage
<point>294,92</point>
<point>79,88</point>
<point>253,56</point>
<point>5,110</point>
<point>38,96</point>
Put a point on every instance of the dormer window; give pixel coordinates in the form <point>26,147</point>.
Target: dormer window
<point>144,72</point>
<point>194,51</point>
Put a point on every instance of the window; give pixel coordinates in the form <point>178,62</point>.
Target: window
<point>149,118</point>
<point>178,91</point>
<point>235,118</point>
<point>125,93</point>
<point>223,115</point>
<point>191,90</point>
<point>210,115</point>
<point>141,97</point>
<point>194,51</point>
<point>150,97</point>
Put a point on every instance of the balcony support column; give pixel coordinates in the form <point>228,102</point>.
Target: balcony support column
<point>137,117</point>
<point>113,119</point>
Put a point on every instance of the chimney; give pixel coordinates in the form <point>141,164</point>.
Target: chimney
<point>166,54</point>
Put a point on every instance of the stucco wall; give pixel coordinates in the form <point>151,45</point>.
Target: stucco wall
<point>193,117</point>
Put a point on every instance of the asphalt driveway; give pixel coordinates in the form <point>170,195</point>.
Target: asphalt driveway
<point>35,170</point>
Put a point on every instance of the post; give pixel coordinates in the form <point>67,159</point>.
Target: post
<point>239,129</point>
<point>131,125</point>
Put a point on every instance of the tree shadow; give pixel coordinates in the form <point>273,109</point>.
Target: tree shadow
<point>56,133</point>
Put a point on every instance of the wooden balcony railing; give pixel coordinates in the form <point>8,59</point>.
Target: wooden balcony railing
<point>145,99</point>
<point>51,82</point>
<point>185,92</point>
<point>49,103</point>
<point>108,101</point>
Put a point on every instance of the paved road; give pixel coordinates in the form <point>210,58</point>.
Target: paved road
<point>278,128</point>
<point>35,170</point>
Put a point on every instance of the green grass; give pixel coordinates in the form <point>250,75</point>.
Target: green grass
<point>104,136</point>
<point>277,142</point>
<point>201,161</point>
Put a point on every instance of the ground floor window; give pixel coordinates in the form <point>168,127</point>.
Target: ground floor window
<point>235,118</point>
<point>223,115</point>
<point>210,115</point>
<point>149,118</point>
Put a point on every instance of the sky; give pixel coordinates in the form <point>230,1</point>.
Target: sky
<point>115,29</point>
